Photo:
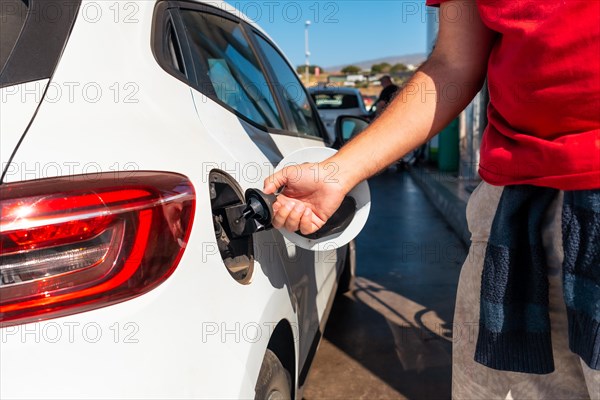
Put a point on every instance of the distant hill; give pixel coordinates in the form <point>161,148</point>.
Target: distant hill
<point>414,59</point>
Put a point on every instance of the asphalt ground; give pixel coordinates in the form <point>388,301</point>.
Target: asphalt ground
<point>390,337</point>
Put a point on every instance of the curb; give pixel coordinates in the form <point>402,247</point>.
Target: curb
<point>452,208</point>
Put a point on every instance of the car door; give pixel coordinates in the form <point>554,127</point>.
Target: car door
<point>305,125</point>
<point>250,105</point>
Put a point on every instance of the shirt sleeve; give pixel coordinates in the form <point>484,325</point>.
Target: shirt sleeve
<point>435,3</point>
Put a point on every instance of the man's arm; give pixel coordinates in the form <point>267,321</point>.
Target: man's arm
<point>436,94</point>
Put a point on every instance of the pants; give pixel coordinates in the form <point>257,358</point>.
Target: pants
<point>572,379</point>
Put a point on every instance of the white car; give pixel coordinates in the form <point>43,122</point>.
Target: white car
<point>333,102</point>
<point>129,133</point>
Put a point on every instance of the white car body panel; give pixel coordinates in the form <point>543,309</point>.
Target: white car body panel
<point>162,344</point>
<point>18,104</point>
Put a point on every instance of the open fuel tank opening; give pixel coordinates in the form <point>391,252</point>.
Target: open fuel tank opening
<point>236,248</point>
<point>237,217</point>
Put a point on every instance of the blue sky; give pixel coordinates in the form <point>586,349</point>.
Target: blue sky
<point>343,31</point>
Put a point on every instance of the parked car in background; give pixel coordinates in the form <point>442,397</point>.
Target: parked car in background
<point>333,102</point>
<point>129,133</point>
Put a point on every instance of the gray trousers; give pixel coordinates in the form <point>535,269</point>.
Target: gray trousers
<point>572,379</point>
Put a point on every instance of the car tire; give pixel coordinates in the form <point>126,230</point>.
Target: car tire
<point>346,282</point>
<point>274,381</point>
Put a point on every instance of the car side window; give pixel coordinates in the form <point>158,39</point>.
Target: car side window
<point>174,50</point>
<point>292,91</point>
<point>228,68</point>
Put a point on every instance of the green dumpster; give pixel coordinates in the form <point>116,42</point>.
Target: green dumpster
<point>448,153</point>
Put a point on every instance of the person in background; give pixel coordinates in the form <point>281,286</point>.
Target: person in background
<point>386,95</point>
<point>527,317</point>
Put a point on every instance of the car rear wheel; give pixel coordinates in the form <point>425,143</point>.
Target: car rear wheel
<point>274,381</point>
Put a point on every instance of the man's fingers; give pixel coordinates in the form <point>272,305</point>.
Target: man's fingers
<point>275,181</point>
<point>307,226</point>
<point>292,223</point>
<point>276,207</point>
<point>281,215</point>
<point>295,217</point>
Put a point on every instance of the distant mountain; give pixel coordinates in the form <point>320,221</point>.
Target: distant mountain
<point>414,59</point>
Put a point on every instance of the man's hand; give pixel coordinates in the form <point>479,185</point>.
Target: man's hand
<point>312,194</point>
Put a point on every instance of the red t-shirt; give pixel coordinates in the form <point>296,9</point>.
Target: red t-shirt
<point>544,82</point>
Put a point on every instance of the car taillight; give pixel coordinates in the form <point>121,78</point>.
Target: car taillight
<point>73,244</point>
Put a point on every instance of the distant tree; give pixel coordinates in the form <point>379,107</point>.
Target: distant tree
<point>399,68</point>
<point>301,69</point>
<point>351,69</point>
<point>381,68</point>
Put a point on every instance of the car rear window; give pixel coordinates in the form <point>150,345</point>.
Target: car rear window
<point>12,19</point>
<point>335,101</point>
<point>33,34</point>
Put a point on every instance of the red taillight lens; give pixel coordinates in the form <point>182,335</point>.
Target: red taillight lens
<point>73,244</point>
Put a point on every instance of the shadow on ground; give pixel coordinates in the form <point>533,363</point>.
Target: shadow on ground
<point>390,338</point>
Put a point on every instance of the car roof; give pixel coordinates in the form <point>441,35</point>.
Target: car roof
<point>333,89</point>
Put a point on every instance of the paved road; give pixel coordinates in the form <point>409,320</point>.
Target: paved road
<point>391,337</point>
